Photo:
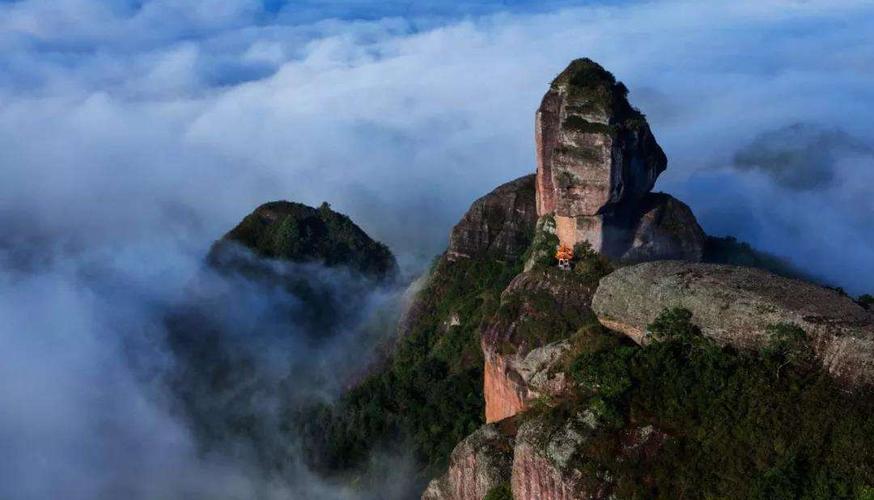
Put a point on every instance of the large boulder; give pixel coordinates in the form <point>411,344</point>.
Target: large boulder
<point>596,155</point>
<point>526,339</point>
<point>498,225</point>
<point>737,306</point>
<point>663,228</point>
<point>479,463</point>
<point>593,148</point>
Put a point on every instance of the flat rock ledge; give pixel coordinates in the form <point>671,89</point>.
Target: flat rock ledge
<point>736,305</point>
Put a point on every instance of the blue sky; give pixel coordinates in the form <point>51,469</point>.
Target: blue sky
<point>133,134</point>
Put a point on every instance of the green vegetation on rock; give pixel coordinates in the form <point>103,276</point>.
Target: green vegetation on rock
<point>295,232</point>
<point>537,318</point>
<point>541,253</point>
<point>736,424</point>
<point>596,90</point>
<point>500,492</point>
<point>430,393</point>
<point>589,265</point>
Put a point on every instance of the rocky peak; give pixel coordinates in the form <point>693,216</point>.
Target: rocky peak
<point>299,233</point>
<point>597,160</point>
<point>498,225</point>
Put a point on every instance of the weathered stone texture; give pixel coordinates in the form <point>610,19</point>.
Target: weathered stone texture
<point>665,229</point>
<point>498,225</point>
<point>597,161</point>
<point>478,463</point>
<point>736,305</point>
<point>593,148</point>
<point>544,460</point>
<point>519,368</point>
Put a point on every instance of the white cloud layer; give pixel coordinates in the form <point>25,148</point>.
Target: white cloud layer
<point>130,126</point>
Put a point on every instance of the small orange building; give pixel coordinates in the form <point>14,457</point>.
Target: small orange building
<point>564,255</point>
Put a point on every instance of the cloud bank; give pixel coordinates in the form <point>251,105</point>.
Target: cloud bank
<point>133,133</point>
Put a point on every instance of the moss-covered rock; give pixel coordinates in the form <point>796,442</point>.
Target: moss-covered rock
<point>594,149</point>
<point>737,306</point>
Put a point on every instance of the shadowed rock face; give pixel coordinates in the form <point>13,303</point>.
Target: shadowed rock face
<point>498,225</point>
<point>736,305</point>
<point>663,228</point>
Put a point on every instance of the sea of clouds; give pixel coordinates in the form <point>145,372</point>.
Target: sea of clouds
<point>134,133</point>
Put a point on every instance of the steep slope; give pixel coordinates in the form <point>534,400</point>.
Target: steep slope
<point>757,388</point>
<point>429,394</point>
<point>498,225</point>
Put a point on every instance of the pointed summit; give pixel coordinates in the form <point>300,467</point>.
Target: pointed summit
<point>597,161</point>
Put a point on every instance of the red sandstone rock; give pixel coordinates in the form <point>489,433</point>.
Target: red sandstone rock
<point>595,153</point>
<point>519,365</point>
<point>478,463</point>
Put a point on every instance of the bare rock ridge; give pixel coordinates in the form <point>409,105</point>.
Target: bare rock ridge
<point>597,161</point>
<point>498,225</point>
<point>737,305</point>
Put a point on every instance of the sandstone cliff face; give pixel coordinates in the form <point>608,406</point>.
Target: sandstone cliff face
<point>593,148</point>
<point>544,460</point>
<point>479,463</point>
<point>513,381</point>
<point>597,161</point>
<point>526,339</point>
<point>736,305</point>
<point>498,225</point>
<point>595,154</point>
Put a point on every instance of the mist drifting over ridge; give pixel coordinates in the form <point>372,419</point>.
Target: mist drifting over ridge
<point>133,134</point>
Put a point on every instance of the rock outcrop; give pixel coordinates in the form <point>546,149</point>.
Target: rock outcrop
<point>737,305</point>
<point>498,225</point>
<point>525,340</point>
<point>665,228</point>
<point>479,463</point>
<point>544,459</point>
<point>551,458</point>
<point>597,160</point>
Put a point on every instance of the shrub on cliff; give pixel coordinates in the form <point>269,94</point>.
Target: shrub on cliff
<point>590,265</point>
<point>430,395</point>
<point>501,492</point>
<point>736,427</point>
<point>541,253</point>
<point>729,250</point>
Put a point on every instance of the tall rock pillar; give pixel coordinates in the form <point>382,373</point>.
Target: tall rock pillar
<point>596,158</point>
